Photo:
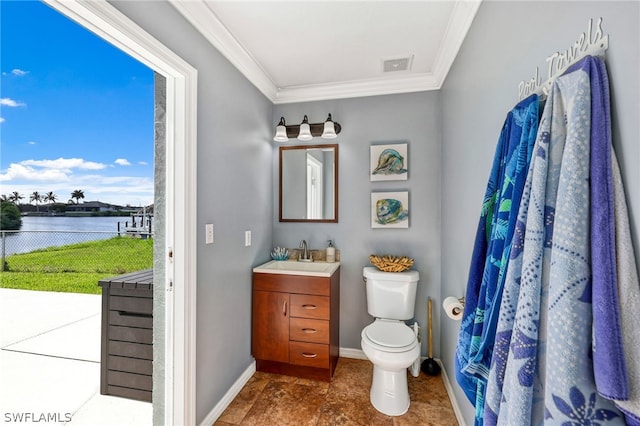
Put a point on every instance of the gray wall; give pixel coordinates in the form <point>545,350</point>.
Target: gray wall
<point>504,45</point>
<point>234,193</point>
<point>411,118</point>
<point>451,136</point>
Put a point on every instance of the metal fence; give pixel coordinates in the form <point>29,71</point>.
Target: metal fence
<point>73,251</point>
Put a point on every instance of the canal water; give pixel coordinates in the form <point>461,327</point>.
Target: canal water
<point>47,231</point>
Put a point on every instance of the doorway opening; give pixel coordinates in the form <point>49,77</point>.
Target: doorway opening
<point>60,332</point>
<point>174,303</point>
<point>315,208</point>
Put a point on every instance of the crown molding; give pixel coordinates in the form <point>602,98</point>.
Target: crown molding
<point>355,89</point>
<point>207,23</point>
<point>461,19</point>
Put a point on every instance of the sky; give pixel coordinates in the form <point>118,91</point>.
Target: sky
<point>76,113</point>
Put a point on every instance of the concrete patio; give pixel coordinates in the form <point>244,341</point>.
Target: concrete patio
<point>50,363</point>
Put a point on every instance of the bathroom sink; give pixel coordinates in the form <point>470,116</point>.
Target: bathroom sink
<point>290,267</point>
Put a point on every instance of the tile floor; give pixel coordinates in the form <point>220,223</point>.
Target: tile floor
<point>271,399</point>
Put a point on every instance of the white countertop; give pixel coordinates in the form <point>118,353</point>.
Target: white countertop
<point>292,267</point>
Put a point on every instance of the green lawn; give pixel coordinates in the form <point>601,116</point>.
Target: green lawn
<point>76,268</point>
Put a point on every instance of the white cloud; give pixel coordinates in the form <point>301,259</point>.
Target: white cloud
<point>65,164</point>
<point>1,120</point>
<point>143,163</point>
<point>51,170</point>
<point>31,143</point>
<point>24,172</point>
<point>10,102</point>
<point>19,72</point>
<point>122,162</point>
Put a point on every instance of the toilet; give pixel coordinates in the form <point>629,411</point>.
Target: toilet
<point>388,342</point>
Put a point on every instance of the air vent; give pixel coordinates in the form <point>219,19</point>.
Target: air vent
<point>397,64</point>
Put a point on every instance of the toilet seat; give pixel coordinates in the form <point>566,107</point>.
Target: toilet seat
<point>389,336</point>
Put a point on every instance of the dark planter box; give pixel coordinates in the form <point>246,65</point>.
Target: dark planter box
<point>127,336</point>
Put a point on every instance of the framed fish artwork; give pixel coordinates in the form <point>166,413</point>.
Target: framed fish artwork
<point>389,162</point>
<point>390,209</point>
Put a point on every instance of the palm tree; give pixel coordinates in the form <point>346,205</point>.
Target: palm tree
<point>15,197</point>
<point>51,198</point>
<point>77,195</point>
<point>36,197</point>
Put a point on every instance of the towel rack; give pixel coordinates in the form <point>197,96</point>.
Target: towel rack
<point>593,42</point>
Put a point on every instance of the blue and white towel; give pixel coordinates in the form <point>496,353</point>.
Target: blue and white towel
<point>542,370</point>
<point>491,249</point>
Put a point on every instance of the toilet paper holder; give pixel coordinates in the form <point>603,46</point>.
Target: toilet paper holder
<point>453,306</point>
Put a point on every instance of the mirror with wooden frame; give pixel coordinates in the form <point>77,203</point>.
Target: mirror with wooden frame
<point>309,183</point>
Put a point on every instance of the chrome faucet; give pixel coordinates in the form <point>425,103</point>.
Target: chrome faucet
<point>305,255</point>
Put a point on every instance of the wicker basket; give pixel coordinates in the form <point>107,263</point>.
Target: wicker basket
<point>388,263</point>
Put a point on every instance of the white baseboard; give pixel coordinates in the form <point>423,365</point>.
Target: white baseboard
<point>352,353</point>
<point>452,397</point>
<point>228,397</point>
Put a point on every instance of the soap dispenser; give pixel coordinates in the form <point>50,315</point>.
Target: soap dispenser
<point>331,252</point>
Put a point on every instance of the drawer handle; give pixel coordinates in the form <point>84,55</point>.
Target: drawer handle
<point>134,314</point>
<point>309,306</point>
<point>284,308</point>
<point>309,330</point>
<point>308,355</point>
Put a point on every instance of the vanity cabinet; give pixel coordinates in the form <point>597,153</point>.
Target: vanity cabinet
<point>295,324</point>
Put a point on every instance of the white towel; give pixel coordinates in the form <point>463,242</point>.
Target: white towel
<point>629,297</point>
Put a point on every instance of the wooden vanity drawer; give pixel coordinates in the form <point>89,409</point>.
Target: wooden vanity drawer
<point>306,306</point>
<point>309,354</point>
<point>309,330</point>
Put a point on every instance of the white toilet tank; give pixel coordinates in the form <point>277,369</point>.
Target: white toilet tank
<point>391,295</point>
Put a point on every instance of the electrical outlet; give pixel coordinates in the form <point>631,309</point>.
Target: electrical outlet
<point>247,238</point>
<point>208,233</point>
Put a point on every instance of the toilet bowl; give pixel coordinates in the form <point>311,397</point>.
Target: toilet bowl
<point>392,347</point>
<point>388,342</point>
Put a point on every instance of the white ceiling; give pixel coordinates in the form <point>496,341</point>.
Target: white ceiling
<point>296,51</point>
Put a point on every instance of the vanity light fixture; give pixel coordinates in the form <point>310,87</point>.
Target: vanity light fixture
<point>329,129</point>
<point>281,132</point>
<point>306,131</point>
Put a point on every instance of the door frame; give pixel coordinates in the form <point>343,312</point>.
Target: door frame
<point>179,369</point>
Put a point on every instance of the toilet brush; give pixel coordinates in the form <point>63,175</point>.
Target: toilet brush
<point>430,366</point>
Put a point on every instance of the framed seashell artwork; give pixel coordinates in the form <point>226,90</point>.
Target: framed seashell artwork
<point>390,209</point>
<point>389,162</point>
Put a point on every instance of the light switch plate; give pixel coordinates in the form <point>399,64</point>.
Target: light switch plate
<point>247,238</point>
<point>208,233</point>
